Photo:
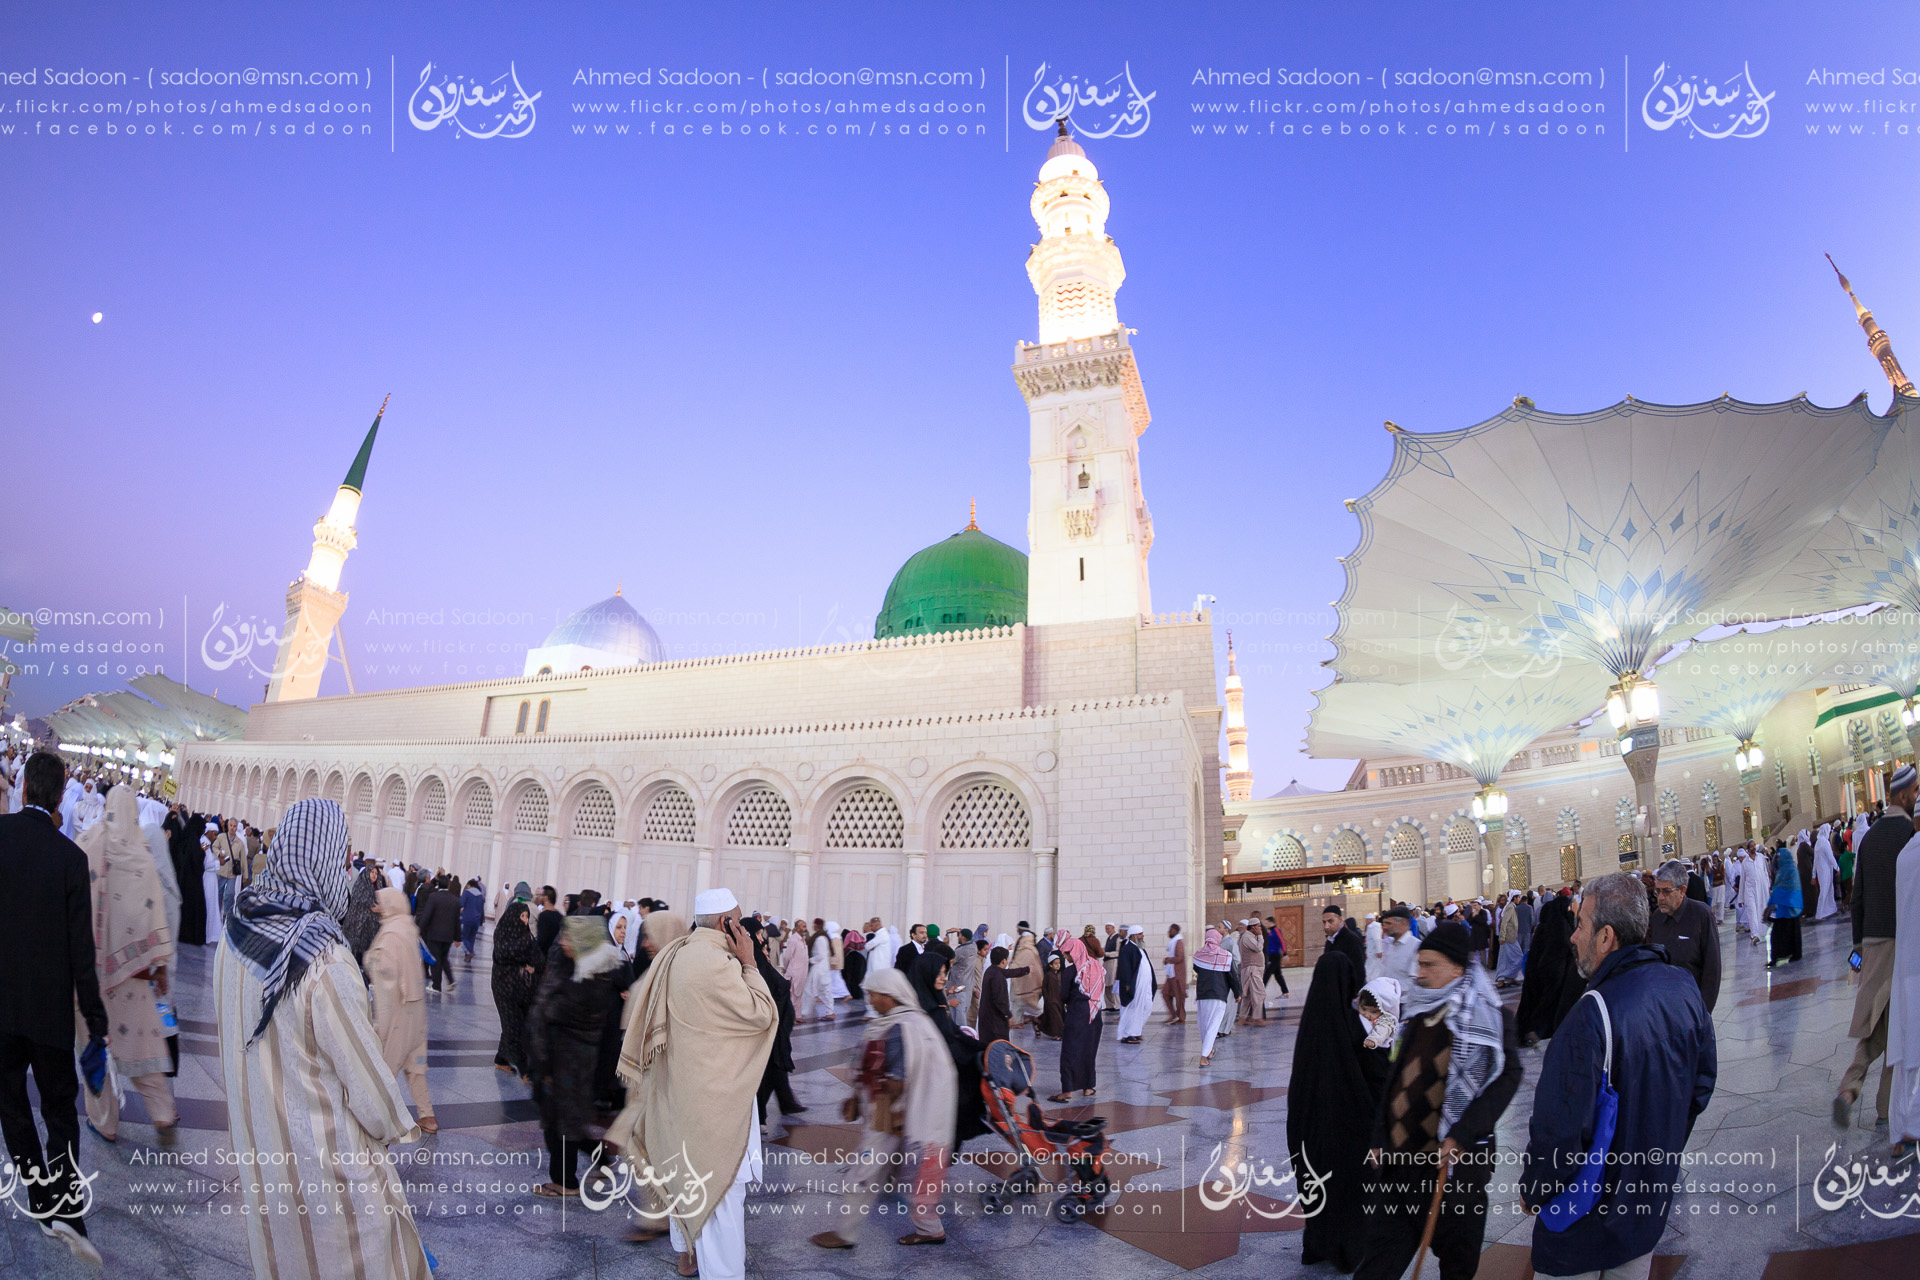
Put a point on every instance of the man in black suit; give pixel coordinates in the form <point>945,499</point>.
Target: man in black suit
<point>438,919</point>
<point>47,954</point>
<point>912,949</point>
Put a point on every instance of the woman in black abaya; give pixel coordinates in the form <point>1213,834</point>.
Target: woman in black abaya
<point>1335,1088</point>
<point>183,843</point>
<point>929,978</point>
<point>1552,982</point>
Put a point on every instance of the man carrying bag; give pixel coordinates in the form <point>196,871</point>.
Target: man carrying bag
<point>1644,1034</point>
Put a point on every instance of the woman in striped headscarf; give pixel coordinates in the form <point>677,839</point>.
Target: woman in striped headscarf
<point>302,1066</point>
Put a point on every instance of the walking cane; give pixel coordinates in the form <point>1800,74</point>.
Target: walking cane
<point>1433,1217</point>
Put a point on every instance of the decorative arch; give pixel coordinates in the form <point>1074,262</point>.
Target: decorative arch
<point>1462,836</point>
<point>986,814</point>
<point>1669,806</point>
<point>1624,812</point>
<point>587,849</point>
<point>1516,834</point>
<point>1347,846</point>
<point>665,821</point>
<point>1285,850</point>
<point>529,813</point>
<point>980,863</point>
<point>310,784</point>
<point>759,817</point>
<point>859,869</point>
<point>472,814</point>
<point>336,790</point>
<point>754,850</point>
<point>1566,825</point>
<point>1406,842</point>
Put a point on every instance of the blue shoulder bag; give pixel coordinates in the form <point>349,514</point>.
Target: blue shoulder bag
<point>1578,1199</point>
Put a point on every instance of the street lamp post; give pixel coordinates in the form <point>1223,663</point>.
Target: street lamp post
<point>1490,813</point>
<point>1633,707</point>
<point>1747,760</point>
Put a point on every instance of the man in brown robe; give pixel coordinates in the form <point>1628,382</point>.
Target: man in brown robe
<point>1253,969</point>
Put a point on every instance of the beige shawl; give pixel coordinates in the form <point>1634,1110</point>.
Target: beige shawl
<point>393,964</point>
<point>130,934</point>
<point>695,1048</point>
<point>1026,952</point>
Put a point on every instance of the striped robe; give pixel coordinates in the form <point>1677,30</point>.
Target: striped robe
<point>314,1103</point>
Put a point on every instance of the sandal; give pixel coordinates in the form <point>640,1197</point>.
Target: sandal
<point>1207,1061</point>
<point>428,1124</point>
<point>687,1265</point>
<point>832,1240</point>
<point>917,1238</point>
<point>1060,1097</point>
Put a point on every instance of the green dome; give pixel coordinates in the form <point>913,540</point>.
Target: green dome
<point>967,581</point>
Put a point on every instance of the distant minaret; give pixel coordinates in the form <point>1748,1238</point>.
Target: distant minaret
<point>314,599</point>
<point>1239,777</point>
<point>1087,525</point>
<point>1877,340</point>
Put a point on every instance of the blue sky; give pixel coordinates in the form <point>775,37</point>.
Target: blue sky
<point>749,376</point>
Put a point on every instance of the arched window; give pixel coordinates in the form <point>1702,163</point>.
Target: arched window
<point>593,816</point>
<point>396,806</point>
<point>670,818</point>
<point>433,801</point>
<point>867,817</point>
<point>520,724</point>
<point>530,814</point>
<point>544,671</point>
<point>1669,806</point>
<point>546,704</point>
<point>479,805</point>
<point>1516,834</point>
<point>1405,845</point>
<point>1624,813</point>
<point>1347,848</point>
<point>759,819</point>
<point>985,815</point>
<point>1567,826</point>
<point>1462,838</point>
<point>1284,852</point>
<point>337,789</point>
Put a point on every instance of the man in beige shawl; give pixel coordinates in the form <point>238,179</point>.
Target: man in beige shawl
<point>905,1096</point>
<point>1026,990</point>
<point>1252,946</point>
<point>132,948</point>
<point>399,988</point>
<point>696,1046</point>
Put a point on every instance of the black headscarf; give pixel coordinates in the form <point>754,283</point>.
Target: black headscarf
<point>970,1113</point>
<point>1552,982</point>
<point>780,1061</point>
<point>1331,1100</point>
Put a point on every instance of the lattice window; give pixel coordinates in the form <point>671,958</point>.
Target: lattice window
<point>1567,826</point>
<point>270,789</point>
<point>253,786</point>
<point>1813,763</point>
<point>1780,776</point>
<point>1283,853</point>
<point>669,818</point>
<point>480,805</point>
<point>397,798</point>
<point>363,794</point>
<point>531,813</point>
<point>1347,848</point>
<point>1405,845</point>
<point>593,815</point>
<point>759,820</point>
<point>866,817</point>
<point>1623,814</point>
<point>310,785</point>
<point>1516,835</point>
<point>1709,797</point>
<point>433,801</point>
<point>1461,837</point>
<point>337,789</point>
<point>1669,806</point>
<point>986,815</point>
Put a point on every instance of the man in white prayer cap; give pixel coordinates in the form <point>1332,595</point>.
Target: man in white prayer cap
<point>1135,984</point>
<point>696,1046</point>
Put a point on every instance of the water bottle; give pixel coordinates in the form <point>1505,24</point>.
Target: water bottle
<point>167,1019</point>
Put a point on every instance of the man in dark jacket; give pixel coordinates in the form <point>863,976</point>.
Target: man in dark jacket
<point>996,1008</point>
<point>1873,936</point>
<point>547,918</point>
<point>1438,1077</point>
<point>1684,926</point>
<point>438,917</point>
<point>910,951</point>
<point>46,951</point>
<point>1342,937</point>
<point>1663,1069</point>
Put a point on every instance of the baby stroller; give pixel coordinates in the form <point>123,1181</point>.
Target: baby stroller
<point>1081,1145</point>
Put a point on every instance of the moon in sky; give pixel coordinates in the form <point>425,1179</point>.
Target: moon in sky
<point>97,316</point>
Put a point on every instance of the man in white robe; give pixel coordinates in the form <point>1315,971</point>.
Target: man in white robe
<point>1826,873</point>
<point>1135,983</point>
<point>1376,940</point>
<point>1756,885</point>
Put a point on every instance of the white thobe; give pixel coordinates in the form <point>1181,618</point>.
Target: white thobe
<point>1825,869</point>
<point>817,1000</point>
<point>1903,1001</point>
<point>721,1246</point>
<point>1402,958</point>
<point>1134,1015</point>
<point>1376,950</point>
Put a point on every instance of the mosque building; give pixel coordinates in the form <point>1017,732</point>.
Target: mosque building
<point>1024,738</point>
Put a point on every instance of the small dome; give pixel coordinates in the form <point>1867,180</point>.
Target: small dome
<point>964,582</point>
<point>612,627</point>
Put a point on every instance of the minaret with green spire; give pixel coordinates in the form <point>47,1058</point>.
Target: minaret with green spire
<point>314,599</point>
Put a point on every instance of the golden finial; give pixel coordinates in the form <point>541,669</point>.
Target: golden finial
<point>619,586</point>
<point>1392,425</point>
<point>973,515</point>
<point>383,406</point>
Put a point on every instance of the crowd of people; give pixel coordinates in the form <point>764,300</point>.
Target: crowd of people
<point>661,1039</point>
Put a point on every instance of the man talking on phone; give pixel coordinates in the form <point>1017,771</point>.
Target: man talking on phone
<point>695,1049</point>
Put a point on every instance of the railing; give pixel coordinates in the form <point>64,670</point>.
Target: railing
<point>1561,753</point>
<point>1402,775</point>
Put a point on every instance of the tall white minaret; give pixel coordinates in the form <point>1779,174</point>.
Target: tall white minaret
<point>1088,530</point>
<point>1239,777</point>
<point>314,599</point>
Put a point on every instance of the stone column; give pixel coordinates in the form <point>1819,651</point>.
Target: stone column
<point>552,876</point>
<point>1046,886</point>
<point>409,841</point>
<point>702,873</point>
<point>916,886</point>
<point>496,864</point>
<point>622,856</point>
<point>802,882</point>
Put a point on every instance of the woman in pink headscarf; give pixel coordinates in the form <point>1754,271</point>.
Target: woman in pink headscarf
<point>1083,981</point>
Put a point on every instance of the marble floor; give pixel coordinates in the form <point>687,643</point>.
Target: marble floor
<point>1752,1206</point>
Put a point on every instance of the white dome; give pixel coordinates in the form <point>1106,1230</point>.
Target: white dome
<point>613,628</point>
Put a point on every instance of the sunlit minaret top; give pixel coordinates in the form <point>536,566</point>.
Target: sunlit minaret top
<point>1075,268</point>
<point>1877,340</point>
